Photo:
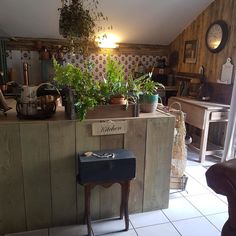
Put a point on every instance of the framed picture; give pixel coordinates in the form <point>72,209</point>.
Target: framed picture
<point>190,51</point>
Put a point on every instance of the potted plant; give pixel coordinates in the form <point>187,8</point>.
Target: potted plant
<point>146,90</point>
<point>88,98</point>
<point>83,91</point>
<point>115,82</point>
<point>77,23</point>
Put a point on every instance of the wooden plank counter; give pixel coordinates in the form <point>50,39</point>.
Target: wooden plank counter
<point>38,167</point>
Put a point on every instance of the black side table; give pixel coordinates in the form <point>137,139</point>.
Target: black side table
<point>106,168</point>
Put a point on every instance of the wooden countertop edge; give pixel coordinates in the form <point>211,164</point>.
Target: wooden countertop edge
<point>207,105</point>
<point>60,117</point>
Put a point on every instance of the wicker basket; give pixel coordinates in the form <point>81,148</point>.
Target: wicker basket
<point>179,154</point>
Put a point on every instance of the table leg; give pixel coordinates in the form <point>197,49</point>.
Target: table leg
<point>87,189</point>
<point>122,202</point>
<point>126,190</point>
<point>204,138</point>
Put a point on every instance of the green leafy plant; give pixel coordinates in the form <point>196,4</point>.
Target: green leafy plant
<point>148,96</point>
<point>114,80</point>
<point>85,89</point>
<point>89,93</point>
<point>146,85</point>
<point>143,85</point>
<point>78,23</point>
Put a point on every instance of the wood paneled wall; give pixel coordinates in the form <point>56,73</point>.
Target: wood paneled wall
<point>219,9</point>
<point>38,171</point>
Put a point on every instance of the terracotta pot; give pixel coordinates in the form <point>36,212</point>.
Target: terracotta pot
<point>118,100</point>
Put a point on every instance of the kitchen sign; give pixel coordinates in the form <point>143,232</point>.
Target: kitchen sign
<point>109,128</point>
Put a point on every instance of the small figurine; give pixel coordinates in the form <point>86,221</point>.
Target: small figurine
<point>204,93</point>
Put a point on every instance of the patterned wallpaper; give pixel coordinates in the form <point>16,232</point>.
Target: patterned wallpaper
<point>130,62</point>
<point>16,58</point>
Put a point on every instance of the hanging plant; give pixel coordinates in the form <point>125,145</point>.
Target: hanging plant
<point>77,23</point>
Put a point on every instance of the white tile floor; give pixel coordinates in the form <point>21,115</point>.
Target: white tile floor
<point>196,211</point>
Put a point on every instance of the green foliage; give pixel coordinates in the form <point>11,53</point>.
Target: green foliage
<point>75,21</point>
<point>78,23</point>
<point>114,81</point>
<point>134,88</point>
<point>145,85</point>
<point>89,93</point>
<point>84,87</point>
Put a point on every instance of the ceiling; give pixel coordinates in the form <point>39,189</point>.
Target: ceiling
<point>133,21</point>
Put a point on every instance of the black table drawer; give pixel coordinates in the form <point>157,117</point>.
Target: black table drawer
<point>96,169</point>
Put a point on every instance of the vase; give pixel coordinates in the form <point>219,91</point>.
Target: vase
<point>148,103</point>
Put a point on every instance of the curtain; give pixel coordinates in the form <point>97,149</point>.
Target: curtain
<point>230,139</point>
<point>3,62</point>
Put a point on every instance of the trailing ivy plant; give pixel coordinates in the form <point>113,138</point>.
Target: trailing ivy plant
<point>78,23</point>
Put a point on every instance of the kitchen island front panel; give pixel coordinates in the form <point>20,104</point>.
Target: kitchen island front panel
<point>38,167</point>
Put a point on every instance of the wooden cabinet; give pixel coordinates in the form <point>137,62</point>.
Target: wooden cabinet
<point>38,169</point>
<point>201,114</point>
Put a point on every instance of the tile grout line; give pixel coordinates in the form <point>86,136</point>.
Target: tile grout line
<point>152,225</point>
<point>203,215</point>
<point>133,227</point>
<point>171,223</point>
<point>209,192</point>
<point>212,223</point>
<point>206,187</point>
